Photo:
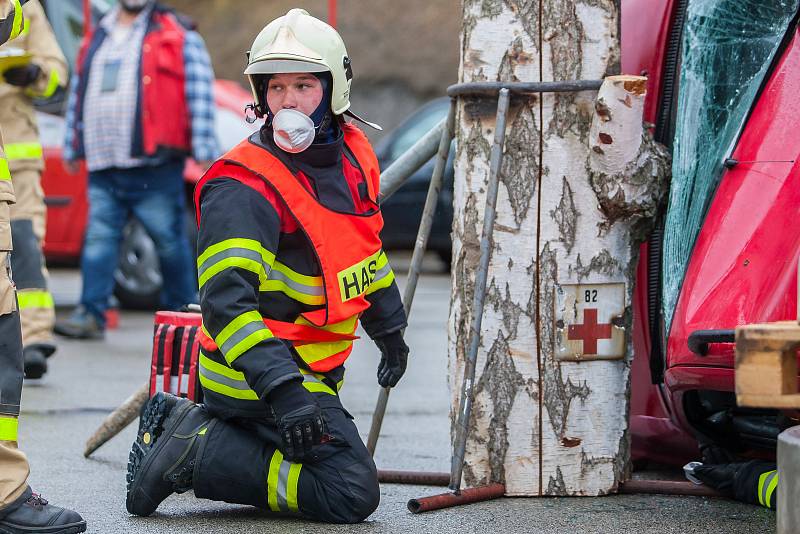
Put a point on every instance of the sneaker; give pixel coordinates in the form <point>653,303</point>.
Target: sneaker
<point>31,514</point>
<point>80,325</point>
<point>162,458</point>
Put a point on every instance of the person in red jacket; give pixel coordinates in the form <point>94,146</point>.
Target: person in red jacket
<point>141,101</point>
<point>290,262</point>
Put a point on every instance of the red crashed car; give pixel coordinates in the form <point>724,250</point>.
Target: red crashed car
<point>138,279</point>
<point>724,77</point>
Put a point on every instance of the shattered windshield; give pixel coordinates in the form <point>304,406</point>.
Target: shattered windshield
<point>726,51</point>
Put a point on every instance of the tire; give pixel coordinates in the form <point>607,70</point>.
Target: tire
<point>138,275</point>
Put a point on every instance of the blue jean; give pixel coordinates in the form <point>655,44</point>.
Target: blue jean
<point>155,196</point>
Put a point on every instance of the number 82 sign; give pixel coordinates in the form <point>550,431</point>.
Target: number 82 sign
<point>589,323</point>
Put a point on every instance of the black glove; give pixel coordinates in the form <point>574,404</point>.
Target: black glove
<point>737,480</point>
<point>394,357</point>
<point>22,76</point>
<point>298,417</point>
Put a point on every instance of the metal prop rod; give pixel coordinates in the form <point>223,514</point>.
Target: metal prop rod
<point>446,136</point>
<point>493,88</point>
<point>396,174</point>
<point>414,478</point>
<point>448,500</point>
<point>465,409</point>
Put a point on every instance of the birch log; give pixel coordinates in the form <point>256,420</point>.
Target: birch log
<point>580,184</point>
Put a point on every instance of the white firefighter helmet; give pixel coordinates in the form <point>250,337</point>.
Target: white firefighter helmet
<point>298,42</point>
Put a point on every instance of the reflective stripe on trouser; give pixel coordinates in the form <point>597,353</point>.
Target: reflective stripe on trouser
<point>767,485</point>
<point>13,464</point>
<point>241,462</point>
<point>30,275</point>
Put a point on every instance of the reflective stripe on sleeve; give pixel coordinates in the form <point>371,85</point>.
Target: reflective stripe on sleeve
<point>242,334</point>
<point>302,288</point>
<point>52,85</point>
<point>224,380</point>
<point>8,428</point>
<point>24,151</point>
<point>767,483</point>
<point>19,22</point>
<point>34,299</point>
<point>384,276</point>
<point>5,174</point>
<point>313,382</point>
<point>282,482</point>
<point>247,254</point>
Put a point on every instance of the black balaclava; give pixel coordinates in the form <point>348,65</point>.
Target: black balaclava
<point>134,6</point>
<point>322,161</point>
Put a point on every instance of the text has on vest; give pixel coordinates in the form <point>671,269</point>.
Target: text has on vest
<point>355,280</point>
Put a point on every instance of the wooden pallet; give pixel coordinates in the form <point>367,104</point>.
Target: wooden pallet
<point>766,365</point>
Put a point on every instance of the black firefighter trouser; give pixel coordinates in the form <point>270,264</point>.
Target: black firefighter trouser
<point>240,462</point>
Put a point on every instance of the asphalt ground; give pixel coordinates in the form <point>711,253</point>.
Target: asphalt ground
<point>88,379</point>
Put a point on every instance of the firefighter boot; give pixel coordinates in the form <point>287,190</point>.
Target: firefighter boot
<point>162,459</point>
<point>36,356</point>
<point>31,514</point>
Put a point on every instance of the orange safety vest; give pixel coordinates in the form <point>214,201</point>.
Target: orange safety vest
<point>347,245</point>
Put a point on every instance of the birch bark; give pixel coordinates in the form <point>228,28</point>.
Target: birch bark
<point>572,209</point>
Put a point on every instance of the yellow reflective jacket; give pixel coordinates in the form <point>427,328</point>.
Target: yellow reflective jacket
<point>17,114</point>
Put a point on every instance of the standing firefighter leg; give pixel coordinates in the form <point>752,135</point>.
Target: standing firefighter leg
<point>35,301</point>
<point>13,464</point>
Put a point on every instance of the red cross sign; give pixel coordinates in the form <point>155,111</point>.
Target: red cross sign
<point>590,331</point>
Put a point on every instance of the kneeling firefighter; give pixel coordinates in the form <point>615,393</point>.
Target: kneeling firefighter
<point>290,260</point>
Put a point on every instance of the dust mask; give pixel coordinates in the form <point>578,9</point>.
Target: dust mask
<point>293,130</point>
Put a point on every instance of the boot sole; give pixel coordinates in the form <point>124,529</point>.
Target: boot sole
<point>141,456</point>
<point>73,528</point>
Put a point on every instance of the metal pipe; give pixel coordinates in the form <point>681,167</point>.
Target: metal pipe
<point>396,174</point>
<point>416,478</point>
<point>493,88</point>
<point>424,232</point>
<point>465,409</point>
<point>447,500</point>
<point>666,487</point>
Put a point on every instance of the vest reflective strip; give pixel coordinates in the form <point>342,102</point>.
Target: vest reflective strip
<point>247,254</point>
<point>19,22</point>
<point>24,151</point>
<point>314,352</point>
<point>224,380</point>
<point>242,334</point>
<point>383,277</point>
<point>52,85</point>
<point>34,299</point>
<point>282,479</point>
<point>767,483</point>
<point>8,428</point>
<point>5,174</point>
<point>306,289</point>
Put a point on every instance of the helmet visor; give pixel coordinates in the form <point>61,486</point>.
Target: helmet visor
<point>284,66</point>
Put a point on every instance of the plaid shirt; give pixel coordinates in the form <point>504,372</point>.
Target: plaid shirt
<point>109,122</point>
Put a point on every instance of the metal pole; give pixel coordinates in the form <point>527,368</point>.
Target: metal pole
<point>465,408</point>
<point>396,174</point>
<point>493,88</point>
<point>435,187</point>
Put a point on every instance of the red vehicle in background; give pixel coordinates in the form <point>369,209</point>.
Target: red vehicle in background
<point>138,278</point>
<point>742,264</point>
